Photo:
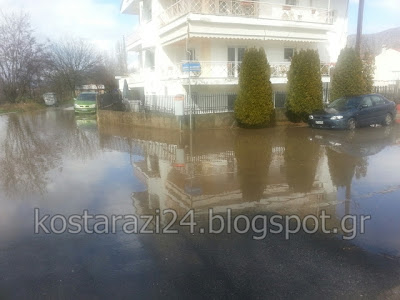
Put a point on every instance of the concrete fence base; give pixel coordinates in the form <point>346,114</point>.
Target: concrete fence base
<point>166,121</point>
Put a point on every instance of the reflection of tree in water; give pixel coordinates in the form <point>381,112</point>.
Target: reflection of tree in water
<point>35,144</point>
<point>28,156</point>
<point>253,153</point>
<point>343,167</point>
<point>301,161</point>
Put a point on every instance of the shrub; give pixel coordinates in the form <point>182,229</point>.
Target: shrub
<point>254,107</point>
<point>304,86</point>
<point>368,72</point>
<point>347,76</point>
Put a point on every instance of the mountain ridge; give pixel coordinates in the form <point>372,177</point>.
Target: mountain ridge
<point>374,42</point>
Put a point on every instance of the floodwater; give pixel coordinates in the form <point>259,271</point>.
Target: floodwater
<point>62,164</point>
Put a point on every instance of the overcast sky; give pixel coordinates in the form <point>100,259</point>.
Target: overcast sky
<point>101,22</point>
<point>97,20</point>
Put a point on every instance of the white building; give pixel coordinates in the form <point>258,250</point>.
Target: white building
<point>213,35</point>
<point>387,67</point>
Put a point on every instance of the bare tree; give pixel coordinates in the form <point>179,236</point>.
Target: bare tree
<point>104,72</point>
<point>21,57</point>
<point>71,63</point>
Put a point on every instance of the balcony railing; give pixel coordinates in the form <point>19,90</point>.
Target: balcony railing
<point>251,9</point>
<point>203,69</point>
<point>227,70</point>
<point>280,70</point>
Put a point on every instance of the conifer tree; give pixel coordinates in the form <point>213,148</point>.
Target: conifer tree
<point>254,107</point>
<point>304,86</point>
<point>347,76</point>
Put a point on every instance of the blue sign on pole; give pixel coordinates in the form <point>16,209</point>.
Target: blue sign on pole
<point>191,67</point>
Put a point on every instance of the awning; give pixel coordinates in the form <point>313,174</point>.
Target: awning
<point>259,38</point>
<point>260,33</point>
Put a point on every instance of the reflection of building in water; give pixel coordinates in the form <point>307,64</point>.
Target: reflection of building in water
<point>281,198</point>
<point>180,181</point>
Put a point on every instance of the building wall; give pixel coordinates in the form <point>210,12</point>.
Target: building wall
<point>216,50</point>
<point>165,121</point>
<point>387,66</point>
<point>337,38</point>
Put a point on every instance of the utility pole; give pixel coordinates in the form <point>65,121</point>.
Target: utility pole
<point>359,25</point>
<point>189,84</point>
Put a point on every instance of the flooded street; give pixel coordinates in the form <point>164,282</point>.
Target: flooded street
<point>62,164</point>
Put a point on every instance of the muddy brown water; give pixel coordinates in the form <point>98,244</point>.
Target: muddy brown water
<point>64,164</point>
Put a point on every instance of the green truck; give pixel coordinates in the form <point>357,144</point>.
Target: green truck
<point>86,103</point>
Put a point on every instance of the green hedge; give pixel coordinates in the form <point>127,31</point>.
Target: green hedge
<point>254,107</point>
<point>304,86</point>
<point>347,77</point>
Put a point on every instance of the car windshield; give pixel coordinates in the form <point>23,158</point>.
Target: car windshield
<point>345,103</point>
<point>87,97</point>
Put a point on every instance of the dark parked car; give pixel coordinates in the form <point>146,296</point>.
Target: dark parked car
<point>355,111</point>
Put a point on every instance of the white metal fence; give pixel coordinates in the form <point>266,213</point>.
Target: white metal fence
<point>201,103</point>
<point>391,92</point>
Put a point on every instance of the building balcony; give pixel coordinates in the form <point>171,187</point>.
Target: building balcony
<point>133,40</point>
<point>225,69</point>
<point>248,9</point>
<point>248,20</point>
<point>129,7</point>
<point>212,72</point>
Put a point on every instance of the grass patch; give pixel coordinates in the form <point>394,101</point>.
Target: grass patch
<point>20,107</point>
<point>69,102</point>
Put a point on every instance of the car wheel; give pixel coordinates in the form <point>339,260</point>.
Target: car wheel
<point>388,120</point>
<point>351,124</point>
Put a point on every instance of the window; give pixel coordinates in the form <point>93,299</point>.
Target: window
<point>345,103</point>
<point>235,57</point>
<point>87,97</point>
<point>236,54</point>
<point>378,100</point>
<point>288,54</point>
<point>191,54</point>
<point>280,99</point>
<point>146,11</point>
<point>367,101</point>
<point>149,59</point>
<point>291,2</point>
